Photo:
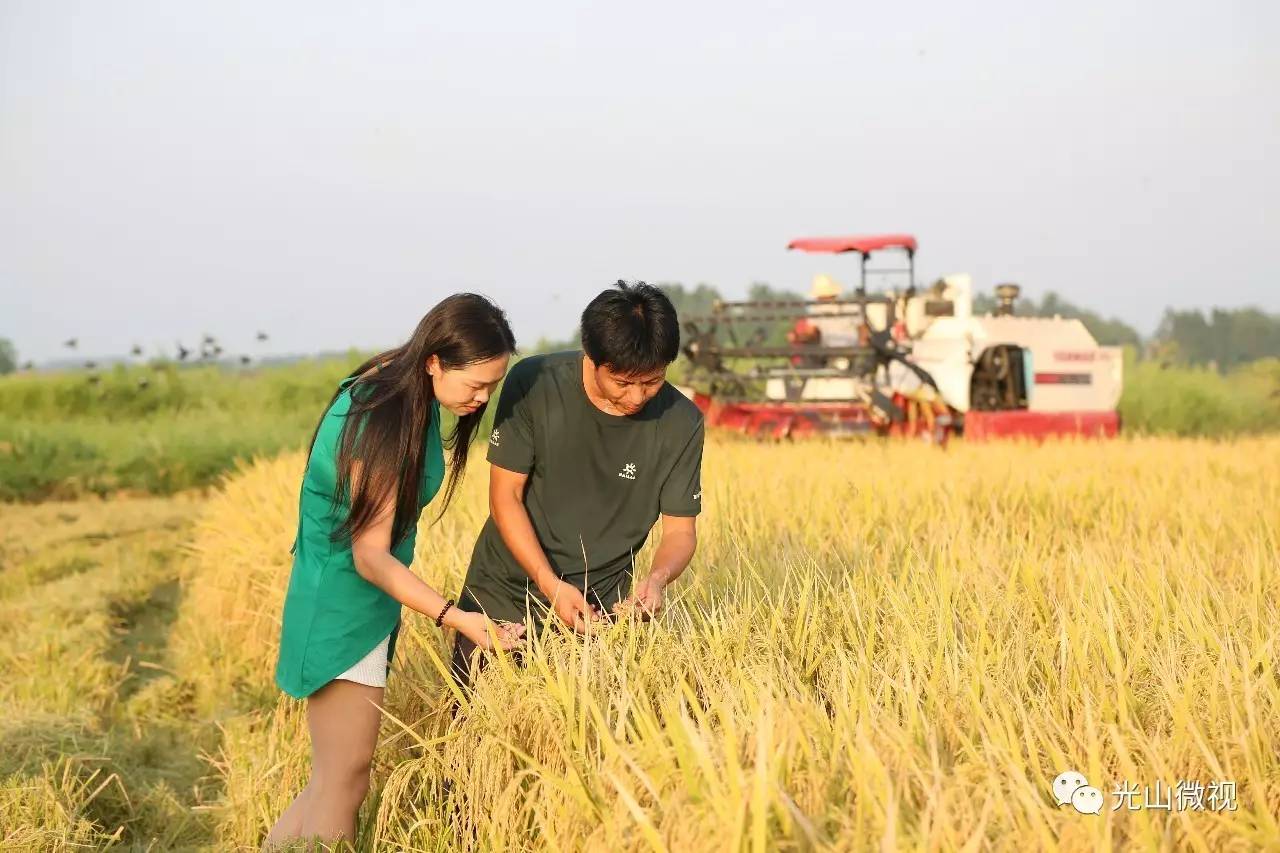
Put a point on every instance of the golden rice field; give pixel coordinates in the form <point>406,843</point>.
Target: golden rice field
<point>99,742</point>
<point>877,646</point>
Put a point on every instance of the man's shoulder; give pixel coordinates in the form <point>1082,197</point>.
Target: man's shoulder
<point>532,367</point>
<point>681,413</point>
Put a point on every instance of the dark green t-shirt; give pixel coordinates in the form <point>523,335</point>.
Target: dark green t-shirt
<point>597,483</point>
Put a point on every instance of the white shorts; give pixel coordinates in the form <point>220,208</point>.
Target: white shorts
<point>370,670</point>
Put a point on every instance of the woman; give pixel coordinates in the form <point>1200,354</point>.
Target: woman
<point>376,460</point>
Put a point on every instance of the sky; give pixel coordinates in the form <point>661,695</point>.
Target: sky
<point>326,172</point>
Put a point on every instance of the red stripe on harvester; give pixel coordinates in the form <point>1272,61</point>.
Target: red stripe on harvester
<point>1064,379</point>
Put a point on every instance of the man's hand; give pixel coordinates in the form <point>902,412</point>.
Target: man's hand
<point>645,599</point>
<point>571,606</point>
<point>675,550</point>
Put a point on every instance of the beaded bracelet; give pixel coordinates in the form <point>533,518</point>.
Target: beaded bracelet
<point>443,611</point>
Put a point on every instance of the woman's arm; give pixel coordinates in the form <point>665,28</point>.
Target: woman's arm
<point>371,551</point>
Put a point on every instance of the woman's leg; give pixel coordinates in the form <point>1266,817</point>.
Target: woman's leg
<point>343,718</point>
<point>289,826</point>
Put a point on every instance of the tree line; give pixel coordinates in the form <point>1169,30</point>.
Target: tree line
<point>1223,339</point>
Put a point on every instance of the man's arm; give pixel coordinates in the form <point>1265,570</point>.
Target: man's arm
<point>506,505</point>
<point>675,551</point>
<point>679,505</point>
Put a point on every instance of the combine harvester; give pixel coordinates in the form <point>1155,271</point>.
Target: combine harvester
<point>898,361</point>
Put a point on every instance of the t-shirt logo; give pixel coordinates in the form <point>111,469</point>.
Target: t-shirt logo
<point>493,438</point>
<point>697,496</point>
<point>628,471</point>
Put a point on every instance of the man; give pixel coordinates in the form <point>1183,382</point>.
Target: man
<point>804,333</point>
<point>588,449</point>
<point>838,331</point>
<point>814,329</point>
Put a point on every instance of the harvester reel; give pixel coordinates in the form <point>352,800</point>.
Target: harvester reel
<point>700,348</point>
<point>886,348</point>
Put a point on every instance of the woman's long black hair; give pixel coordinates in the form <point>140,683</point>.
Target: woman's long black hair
<point>393,407</point>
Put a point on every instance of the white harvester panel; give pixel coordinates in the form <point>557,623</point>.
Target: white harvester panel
<point>815,388</point>
<point>1066,370</point>
<point>946,359</point>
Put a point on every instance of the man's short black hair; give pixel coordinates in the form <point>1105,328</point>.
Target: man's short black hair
<point>631,328</point>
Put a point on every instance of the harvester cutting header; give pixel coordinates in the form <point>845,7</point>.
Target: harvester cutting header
<point>897,361</point>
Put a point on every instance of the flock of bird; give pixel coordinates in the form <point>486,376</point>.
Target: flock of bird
<point>209,351</point>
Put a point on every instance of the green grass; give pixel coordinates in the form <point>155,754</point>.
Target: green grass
<point>1198,401</point>
<point>153,455</point>
<point>63,437</point>
<point>172,390</point>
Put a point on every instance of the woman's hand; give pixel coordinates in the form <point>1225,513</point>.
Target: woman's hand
<point>476,627</point>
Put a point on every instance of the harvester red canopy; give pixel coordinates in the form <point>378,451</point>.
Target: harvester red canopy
<point>861,245</point>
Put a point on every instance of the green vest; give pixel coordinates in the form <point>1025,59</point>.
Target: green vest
<point>332,616</point>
